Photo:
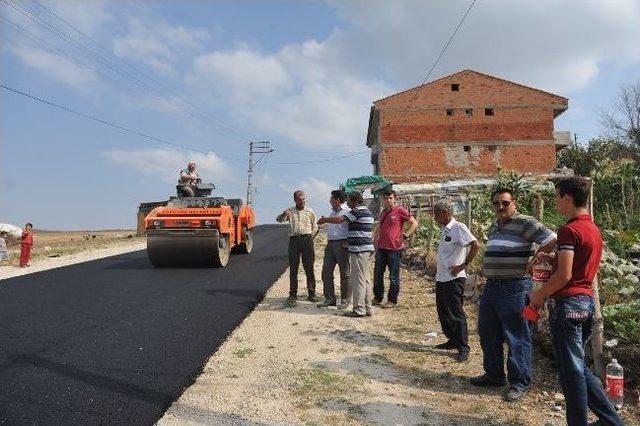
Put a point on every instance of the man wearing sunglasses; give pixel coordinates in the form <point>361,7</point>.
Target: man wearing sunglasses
<point>513,238</point>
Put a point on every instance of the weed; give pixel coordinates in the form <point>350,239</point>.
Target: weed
<point>242,353</point>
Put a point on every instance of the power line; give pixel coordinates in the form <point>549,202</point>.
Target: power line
<point>19,7</point>
<point>112,124</point>
<point>324,160</point>
<point>159,83</point>
<point>446,46</point>
<point>55,50</point>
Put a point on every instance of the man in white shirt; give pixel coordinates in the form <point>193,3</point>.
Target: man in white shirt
<point>335,253</point>
<point>456,249</point>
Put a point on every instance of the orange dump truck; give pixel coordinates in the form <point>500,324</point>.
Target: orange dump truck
<point>199,231</point>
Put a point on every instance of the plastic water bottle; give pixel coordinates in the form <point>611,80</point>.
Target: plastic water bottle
<point>541,270</point>
<point>615,383</point>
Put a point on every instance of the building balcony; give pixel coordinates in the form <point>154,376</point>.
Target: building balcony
<point>562,139</point>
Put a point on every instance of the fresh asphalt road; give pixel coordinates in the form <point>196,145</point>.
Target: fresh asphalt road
<point>115,341</point>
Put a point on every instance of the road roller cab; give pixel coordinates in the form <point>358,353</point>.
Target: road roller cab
<point>199,231</point>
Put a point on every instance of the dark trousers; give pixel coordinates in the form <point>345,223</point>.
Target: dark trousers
<point>335,253</point>
<point>391,259</point>
<point>571,324</point>
<point>500,320</point>
<point>449,300</point>
<point>301,246</point>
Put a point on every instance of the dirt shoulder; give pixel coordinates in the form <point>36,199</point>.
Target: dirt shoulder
<point>313,366</point>
<point>53,249</point>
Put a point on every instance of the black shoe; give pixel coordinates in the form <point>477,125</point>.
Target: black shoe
<point>446,345</point>
<point>376,302</point>
<point>326,304</point>
<point>462,356</point>
<point>353,314</point>
<point>485,381</point>
<point>312,298</point>
<point>513,394</point>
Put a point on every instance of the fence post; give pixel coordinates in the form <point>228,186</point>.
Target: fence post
<point>468,213</point>
<point>597,339</point>
<point>538,206</point>
<point>418,217</point>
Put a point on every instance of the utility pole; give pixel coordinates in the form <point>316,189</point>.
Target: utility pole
<point>263,148</point>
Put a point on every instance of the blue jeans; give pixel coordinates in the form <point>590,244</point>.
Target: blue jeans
<point>387,258</point>
<point>499,320</point>
<point>571,323</point>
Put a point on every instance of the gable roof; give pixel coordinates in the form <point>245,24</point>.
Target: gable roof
<point>468,71</point>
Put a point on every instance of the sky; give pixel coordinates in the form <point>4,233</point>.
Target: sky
<point>198,80</point>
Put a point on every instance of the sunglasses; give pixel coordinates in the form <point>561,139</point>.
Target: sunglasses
<point>503,203</point>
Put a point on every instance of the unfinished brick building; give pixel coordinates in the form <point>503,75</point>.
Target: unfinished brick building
<point>465,125</point>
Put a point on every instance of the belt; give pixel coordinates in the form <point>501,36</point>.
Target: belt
<point>506,280</point>
<point>299,236</point>
<point>340,240</point>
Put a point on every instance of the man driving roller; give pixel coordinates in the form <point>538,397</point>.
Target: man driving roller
<point>188,180</point>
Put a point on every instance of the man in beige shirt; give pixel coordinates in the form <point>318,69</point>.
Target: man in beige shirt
<point>302,230</point>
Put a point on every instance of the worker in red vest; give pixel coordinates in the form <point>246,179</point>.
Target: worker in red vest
<point>25,247</point>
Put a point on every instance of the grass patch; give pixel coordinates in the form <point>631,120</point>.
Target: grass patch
<point>329,390</point>
<point>317,383</point>
<point>379,359</point>
<point>479,408</point>
<point>242,353</point>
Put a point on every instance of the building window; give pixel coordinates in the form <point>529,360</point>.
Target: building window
<point>488,111</point>
<point>467,148</point>
<point>455,87</point>
<point>450,111</point>
<point>492,148</point>
<point>468,111</point>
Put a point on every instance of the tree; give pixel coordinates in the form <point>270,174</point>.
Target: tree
<point>583,159</point>
<point>623,121</point>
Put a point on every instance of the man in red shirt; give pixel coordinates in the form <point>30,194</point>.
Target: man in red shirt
<point>25,246</point>
<point>579,251</point>
<point>389,241</point>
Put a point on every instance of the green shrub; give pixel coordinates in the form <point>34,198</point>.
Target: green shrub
<point>623,321</point>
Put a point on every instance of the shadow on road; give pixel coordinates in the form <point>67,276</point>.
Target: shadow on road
<point>93,379</point>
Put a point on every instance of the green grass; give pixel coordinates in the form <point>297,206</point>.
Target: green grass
<point>242,353</point>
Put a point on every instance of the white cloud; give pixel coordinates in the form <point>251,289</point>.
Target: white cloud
<point>87,16</point>
<point>165,164</point>
<point>158,44</point>
<point>22,36</point>
<point>292,94</point>
<point>553,45</point>
<point>319,92</point>
<point>58,68</point>
<point>243,73</point>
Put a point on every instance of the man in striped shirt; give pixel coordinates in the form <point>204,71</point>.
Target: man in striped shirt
<point>360,247</point>
<point>513,238</point>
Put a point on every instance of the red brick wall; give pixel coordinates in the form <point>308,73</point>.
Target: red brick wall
<point>423,164</point>
<point>420,142</point>
<point>434,125</point>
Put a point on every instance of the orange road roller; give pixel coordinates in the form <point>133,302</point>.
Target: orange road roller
<point>199,231</point>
